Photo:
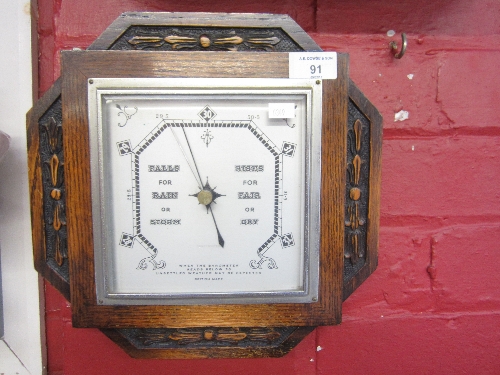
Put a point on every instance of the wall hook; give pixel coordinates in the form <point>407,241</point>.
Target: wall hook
<point>394,47</point>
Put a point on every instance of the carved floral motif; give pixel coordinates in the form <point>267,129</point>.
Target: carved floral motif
<point>53,186</point>
<point>230,43</point>
<point>207,336</point>
<point>353,248</point>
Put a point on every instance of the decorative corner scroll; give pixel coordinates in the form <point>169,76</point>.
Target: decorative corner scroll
<point>125,112</point>
<point>271,263</point>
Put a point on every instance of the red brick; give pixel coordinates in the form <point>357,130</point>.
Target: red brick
<point>378,69</point>
<point>45,64</point>
<point>469,89</point>
<point>467,263</point>
<point>386,83</point>
<point>462,17</point>
<point>54,328</point>
<point>45,16</point>
<point>86,20</point>
<point>412,344</point>
<point>431,97</point>
<point>465,272</point>
<point>401,282</point>
<point>440,177</point>
<point>55,344</point>
<point>89,352</point>
<point>54,301</point>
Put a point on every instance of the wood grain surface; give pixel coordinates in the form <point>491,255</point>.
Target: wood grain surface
<point>78,67</point>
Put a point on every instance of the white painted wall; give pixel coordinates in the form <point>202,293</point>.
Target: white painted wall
<point>20,282</point>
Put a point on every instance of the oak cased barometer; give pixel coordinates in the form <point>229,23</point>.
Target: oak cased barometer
<point>204,185</point>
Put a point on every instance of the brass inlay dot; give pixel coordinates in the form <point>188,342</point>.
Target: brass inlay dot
<point>355,194</point>
<point>204,41</point>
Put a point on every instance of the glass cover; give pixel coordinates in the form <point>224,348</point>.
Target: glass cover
<point>205,191</point>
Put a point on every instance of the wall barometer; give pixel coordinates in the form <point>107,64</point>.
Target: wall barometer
<point>194,199</point>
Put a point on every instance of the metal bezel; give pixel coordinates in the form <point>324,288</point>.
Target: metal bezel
<point>207,86</point>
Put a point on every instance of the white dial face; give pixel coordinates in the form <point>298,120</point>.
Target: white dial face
<point>203,195</point>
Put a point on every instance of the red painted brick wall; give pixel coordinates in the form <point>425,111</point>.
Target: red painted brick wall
<point>433,305</point>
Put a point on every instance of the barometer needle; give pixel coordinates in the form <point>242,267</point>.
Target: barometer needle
<point>221,240</point>
<point>198,181</point>
<point>219,237</point>
<point>192,156</point>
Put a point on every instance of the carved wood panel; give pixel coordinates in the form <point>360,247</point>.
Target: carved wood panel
<point>54,200</point>
<point>189,38</point>
<point>357,190</point>
<point>163,338</point>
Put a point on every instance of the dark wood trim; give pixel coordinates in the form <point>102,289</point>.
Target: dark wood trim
<point>376,124</point>
<point>240,20</point>
<point>228,351</point>
<point>37,191</point>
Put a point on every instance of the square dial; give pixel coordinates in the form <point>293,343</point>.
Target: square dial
<point>205,191</point>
